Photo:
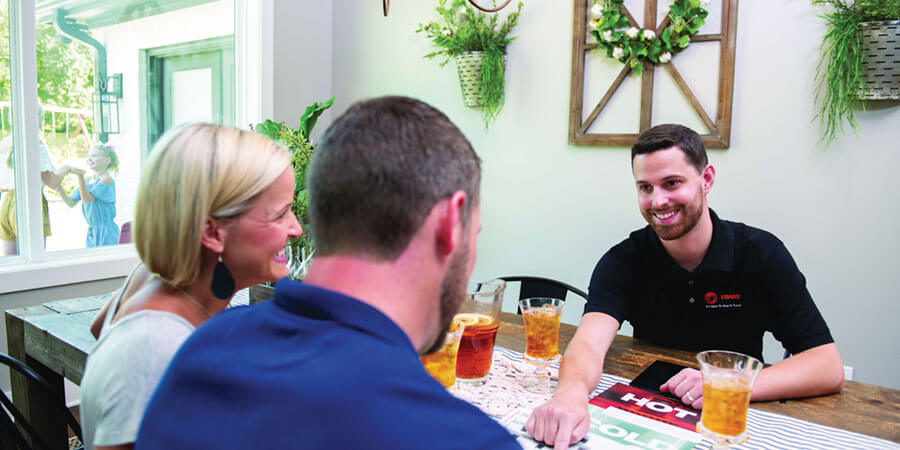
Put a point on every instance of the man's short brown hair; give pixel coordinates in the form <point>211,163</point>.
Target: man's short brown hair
<point>379,170</point>
<point>671,135</point>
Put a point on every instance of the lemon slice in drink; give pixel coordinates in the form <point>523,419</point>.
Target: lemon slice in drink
<point>456,324</point>
<point>474,319</point>
<point>467,318</point>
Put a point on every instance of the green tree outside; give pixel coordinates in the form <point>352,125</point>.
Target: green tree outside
<point>65,72</point>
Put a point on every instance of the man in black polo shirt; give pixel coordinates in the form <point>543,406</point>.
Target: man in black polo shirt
<point>692,281</point>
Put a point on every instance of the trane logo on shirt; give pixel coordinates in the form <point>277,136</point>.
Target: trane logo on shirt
<point>714,300</point>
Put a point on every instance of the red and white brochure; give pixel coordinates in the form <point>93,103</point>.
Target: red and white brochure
<point>648,404</point>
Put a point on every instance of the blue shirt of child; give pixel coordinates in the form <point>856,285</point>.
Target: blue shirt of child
<point>99,213</point>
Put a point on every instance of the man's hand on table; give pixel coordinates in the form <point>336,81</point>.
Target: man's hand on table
<point>686,385</point>
<point>562,421</point>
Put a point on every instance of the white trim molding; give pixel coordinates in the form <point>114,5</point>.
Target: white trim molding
<point>254,55</point>
<point>86,265</point>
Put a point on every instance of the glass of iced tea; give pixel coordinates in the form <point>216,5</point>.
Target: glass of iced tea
<point>728,379</point>
<point>541,316</point>
<point>442,363</point>
<point>480,312</point>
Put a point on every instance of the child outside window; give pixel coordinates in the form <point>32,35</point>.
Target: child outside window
<point>8,226</point>
<point>97,193</point>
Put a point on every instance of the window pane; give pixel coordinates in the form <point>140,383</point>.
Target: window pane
<point>7,180</point>
<point>122,73</point>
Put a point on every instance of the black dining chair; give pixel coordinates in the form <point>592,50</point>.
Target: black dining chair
<point>542,287</point>
<point>13,434</point>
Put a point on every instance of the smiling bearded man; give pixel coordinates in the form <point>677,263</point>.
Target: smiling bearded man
<point>658,278</point>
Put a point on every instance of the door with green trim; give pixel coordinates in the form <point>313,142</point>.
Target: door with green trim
<point>188,82</point>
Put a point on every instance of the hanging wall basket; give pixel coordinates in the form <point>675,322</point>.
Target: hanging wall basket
<point>881,61</point>
<point>468,66</point>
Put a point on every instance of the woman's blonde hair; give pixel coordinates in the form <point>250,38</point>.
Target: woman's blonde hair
<point>197,171</point>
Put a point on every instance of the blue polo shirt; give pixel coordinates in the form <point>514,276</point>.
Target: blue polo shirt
<point>747,284</point>
<point>310,369</point>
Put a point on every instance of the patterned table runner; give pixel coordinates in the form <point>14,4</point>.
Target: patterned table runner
<point>503,393</point>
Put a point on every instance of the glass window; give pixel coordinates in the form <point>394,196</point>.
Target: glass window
<point>112,77</point>
<point>8,226</point>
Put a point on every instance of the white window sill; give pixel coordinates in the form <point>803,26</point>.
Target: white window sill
<point>67,268</point>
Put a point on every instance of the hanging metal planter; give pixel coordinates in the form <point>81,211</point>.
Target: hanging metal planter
<point>881,60</point>
<point>468,67</point>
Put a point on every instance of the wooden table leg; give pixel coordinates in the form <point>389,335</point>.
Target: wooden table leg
<point>28,397</point>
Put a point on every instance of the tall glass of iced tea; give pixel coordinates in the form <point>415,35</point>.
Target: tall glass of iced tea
<point>442,363</point>
<point>480,312</point>
<point>541,316</point>
<point>728,379</point>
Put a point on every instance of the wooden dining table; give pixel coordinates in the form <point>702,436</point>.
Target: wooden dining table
<point>860,407</point>
<point>54,339</point>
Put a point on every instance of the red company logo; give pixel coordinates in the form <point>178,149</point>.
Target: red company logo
<point>711,298</point>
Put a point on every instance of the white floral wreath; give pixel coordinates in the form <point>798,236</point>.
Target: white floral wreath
<point>633,46</point>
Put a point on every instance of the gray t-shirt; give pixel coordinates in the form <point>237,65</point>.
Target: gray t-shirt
<point>122,372</point>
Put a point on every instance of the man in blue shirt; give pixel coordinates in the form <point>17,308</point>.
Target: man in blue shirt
<point>690,280</point>
<point>334,361</point>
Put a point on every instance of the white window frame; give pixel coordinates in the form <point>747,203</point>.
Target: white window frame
<point>33,267</point>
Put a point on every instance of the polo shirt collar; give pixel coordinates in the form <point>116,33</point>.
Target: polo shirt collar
<point>323,304</point>
<point>719,256</point>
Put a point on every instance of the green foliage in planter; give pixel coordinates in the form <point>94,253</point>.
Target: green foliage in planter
<point>637,46</point>
<point>839,76</point>
<point>297,140</point>
<point>462,29</point>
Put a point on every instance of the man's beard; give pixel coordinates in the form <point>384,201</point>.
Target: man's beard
<point>453,291</point>
<point>690,213</point>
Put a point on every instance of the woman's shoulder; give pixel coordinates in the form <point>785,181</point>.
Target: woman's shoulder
<point>130,357</point>
<point>145,307</point>
<point>149,327</point>
<point>146,292</point>
<point>143,338</point>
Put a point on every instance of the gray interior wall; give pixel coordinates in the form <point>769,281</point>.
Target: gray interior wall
<point>303,60</point>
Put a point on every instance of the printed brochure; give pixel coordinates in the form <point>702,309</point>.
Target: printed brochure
<point>612,428</point>
<point>648,404</point>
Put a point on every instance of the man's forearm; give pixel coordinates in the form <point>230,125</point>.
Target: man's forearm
<point>582,365</point>
<point>580,370</point>
<point>817,371</point>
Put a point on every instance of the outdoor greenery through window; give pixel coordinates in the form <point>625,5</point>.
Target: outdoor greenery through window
<point>112,77</point>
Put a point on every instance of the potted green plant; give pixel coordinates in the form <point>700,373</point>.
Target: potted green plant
<point>477,41</point>
<point>850,69</point>
<point>299,251</point>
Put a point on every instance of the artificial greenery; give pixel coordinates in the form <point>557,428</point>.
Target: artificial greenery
<point>297,140</point>
<point>633,46</point>
<point>838,75</point>
<point>462,29</point>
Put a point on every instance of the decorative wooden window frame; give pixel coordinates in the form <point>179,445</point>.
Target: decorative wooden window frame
<point>720,130</point>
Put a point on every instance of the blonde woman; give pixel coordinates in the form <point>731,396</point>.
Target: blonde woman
<point>212,216</point>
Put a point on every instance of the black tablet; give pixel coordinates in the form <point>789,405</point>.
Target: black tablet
<point>655,375</point>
